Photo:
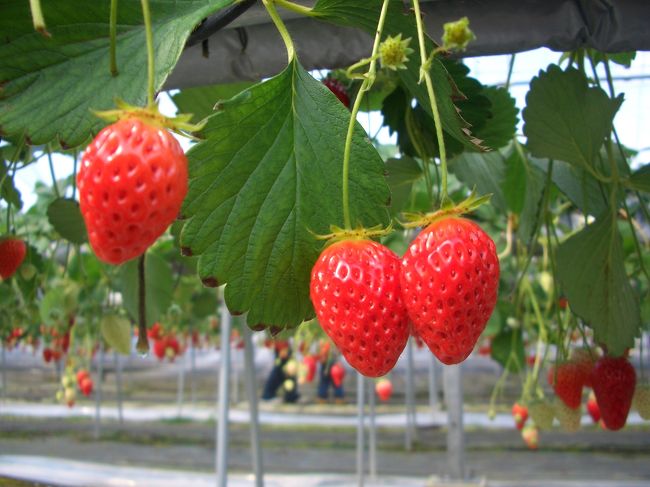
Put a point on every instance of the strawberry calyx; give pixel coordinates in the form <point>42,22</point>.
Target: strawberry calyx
<point>447,209</point>
<point>151,115</point>
<point>339,234</point>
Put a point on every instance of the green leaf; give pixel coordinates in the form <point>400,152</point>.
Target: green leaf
<point>8,191</point>
<point>159,287</point>
<point>201,100</point>
<point>640,180</point>
<point>266,180</point>
<point>364,14</point>
<point>501,125</point>
<point>508,349</point>
<point>401,174</point>
<point>50,85</point>
<point>65,216</point>
<point>483,171</point>
<point>566,119</point>
<point>116,330</point>
<point>593,278</point>
<point>204,303</point>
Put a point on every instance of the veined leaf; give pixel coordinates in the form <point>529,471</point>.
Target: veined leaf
<point>200,101</point>
<point>264,182</point>
<point>640,180</point>
<point>501,125</point>
<point>593,278</point>
<point>50,85</point>
<point>65,216</point>
<point>566,119</point>
<point>116,330</point>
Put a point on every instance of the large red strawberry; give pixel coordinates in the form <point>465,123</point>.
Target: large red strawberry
<point>450,279</point>
<point>567,379</point>
<point>338,89</point>
<point>614,380</point>
<point>12,254</point>
<point>132,181</point>
<point>356,293</point>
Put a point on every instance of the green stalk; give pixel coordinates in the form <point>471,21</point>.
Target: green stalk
<point>294,7</point>
<point>424,71</point>
<point>146,14</point>
<point>37,17</point>
<point>49,161</point>
<point>113,37</point>
<point>365,86</point>
<point>282,29</point>
<point>511,66</point>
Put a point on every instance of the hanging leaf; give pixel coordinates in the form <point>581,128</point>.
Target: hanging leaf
<point>116,330</point>
<point>159,287</point>
<point>264,182</point>
<point>592,274</point>
<point>640,180</point>
<point>566,119</point>
<point>8,191</point>
<point>201,100</point>
<point>65,216</point>
<point>401,174</point>
<point>51,85</point>
<point>483,171</point>
<point>501,125</point>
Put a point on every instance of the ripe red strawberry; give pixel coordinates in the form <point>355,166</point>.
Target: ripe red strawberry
<point>356,293</point>
<point>592,407</point>
<point>450,278</point>
<point>12,254</point>
<point>86,386</point>
<point>584,361</point>
<point>519,414</point>
<point>562,302</point>
<point>641,399</point>
<point>384,389</point>
<point>47,355</point>
<point>567,380</point>
<point>614,380</point>
<point>338,89</point>
<point>81,375</point>
<point>337,373</point>
<point>132,181</point>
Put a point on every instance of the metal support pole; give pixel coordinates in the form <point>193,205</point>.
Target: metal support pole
<point>410,397</point>
<point>455,434</point>
<point>235,375</point>
<point>4,373</point>
<point>180,389</point>
<point>224,400</point>
<point>192,371</point>
<point>433,392</point>
<point>118,381</point>
<point>360,431</point>
<point>372,435</point>
<point>251,392</point>
<point>98,395</point>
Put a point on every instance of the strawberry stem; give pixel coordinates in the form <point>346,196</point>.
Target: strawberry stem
<point>37,18</point>
<point>146,14</point>
<point>143,342</point>
<point>282,29</point>
<point>369,79</point>
<point>424,73</point>
<point>113,37</point>
<point>294,7</point>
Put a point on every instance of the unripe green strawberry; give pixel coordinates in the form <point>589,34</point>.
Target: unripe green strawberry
<point>542,413</point>
<point>530,434</point>
<point>641,400</point>
<point>569,417</point>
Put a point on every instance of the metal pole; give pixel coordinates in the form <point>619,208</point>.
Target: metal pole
<point>118,381</point>
<point>192,370</point>
<point>360,431</point>
<point>4,373</point>
<point>251,392</point>
<point>224,400</point>
<point>410,398</point>
<point>433,394</point>
<point>180,389</point>
<point>455,434</point>
<point>98,396</point>
<point>372,436</point>
<point>235,375</point>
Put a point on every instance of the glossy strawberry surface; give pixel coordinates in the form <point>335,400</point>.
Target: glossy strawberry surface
<point>355,290</point>
<point>132,181</point>
<point>614,381</point>
<point>450,279</point>
<point>12,254</point>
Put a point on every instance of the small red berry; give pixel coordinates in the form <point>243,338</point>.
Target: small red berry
<point>337,373</point>
<point>520,415</point>
<point>132,181</point>
<point>384,389</point>
<point>12,254</point>
<point>336,87</point>
<point>450,279</point>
